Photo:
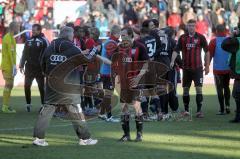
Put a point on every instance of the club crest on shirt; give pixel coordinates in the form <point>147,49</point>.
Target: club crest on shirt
<point>133,51</point>
<point>195,41</point>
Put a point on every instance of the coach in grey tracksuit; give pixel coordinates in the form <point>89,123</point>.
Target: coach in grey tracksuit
<point>58,52</point>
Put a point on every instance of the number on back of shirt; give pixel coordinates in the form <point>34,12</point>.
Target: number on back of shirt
<point>151,48</point>
<point>164,42</point>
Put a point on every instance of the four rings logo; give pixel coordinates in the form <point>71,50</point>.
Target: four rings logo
<point>58,58</point>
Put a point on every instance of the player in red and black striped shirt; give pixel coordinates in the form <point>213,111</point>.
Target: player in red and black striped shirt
<point>124,63</point>
<point>191,45</point>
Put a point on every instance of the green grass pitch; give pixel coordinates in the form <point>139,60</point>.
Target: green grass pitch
<point>209,138</point>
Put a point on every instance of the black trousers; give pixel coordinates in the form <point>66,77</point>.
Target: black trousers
<point>171,98</point>
<point>105,105</point>
<point>236,96</point>
<point>223,90</point>
<point>30,75</point>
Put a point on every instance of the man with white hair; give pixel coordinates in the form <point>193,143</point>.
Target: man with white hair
<point>59,51</point>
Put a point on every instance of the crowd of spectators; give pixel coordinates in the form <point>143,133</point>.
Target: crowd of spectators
<point>105,13</point>
<point>174,13</point>
<point>26,13</point>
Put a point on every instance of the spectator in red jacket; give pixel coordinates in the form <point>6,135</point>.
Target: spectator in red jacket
<point>174,20</point>
<point>201,25</point>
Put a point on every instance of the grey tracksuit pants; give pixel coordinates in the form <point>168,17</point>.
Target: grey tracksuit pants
<point>46,114</point>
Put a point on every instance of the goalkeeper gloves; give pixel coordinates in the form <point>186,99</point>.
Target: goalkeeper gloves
<point>14,71</point>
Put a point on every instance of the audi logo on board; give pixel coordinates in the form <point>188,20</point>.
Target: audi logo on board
<point>58,58</point>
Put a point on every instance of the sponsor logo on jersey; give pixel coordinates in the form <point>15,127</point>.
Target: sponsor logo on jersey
<point>57,59</point>
<point>190,45</point>
<point>127,59</point>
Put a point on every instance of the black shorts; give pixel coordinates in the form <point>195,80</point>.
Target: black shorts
<point>107,82</point>
<point>128,96</point>
<point>190,75</point>
<point>236,89</point>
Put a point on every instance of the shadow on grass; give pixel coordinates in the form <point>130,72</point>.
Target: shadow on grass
<point>119,151</point>
<point>63,144</point>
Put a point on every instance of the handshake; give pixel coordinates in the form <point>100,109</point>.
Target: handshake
<point>90,53</point>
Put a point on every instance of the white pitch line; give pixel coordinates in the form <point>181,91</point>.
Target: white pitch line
<point>53,126</point>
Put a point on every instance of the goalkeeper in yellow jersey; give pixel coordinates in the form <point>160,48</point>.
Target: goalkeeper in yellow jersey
<point>8,65</point>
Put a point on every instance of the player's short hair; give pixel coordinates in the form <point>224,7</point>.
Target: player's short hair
<point>38,26</point>
<point>70,24</point>
<point>155,22</point>
<point>116,29</point>
<point>146,23</point>
<point>129,31</point>
<point>13,25</point>
<point>76,28</point>
<point>220,28</point>
<point>95,30</point>
<point>144,30</point>
<point>86,30</point>
<point>65,32</point>
<point>191,21</point>
<point>170,31</point>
